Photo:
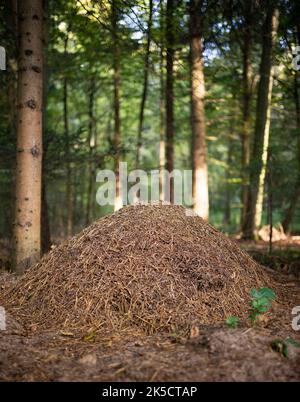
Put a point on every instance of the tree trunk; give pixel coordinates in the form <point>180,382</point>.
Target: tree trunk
<point>117,128</point>
<point>145,87</point>
<point>262,127</point>
<point>227,209</point>
<point>45,235</point>
<point>200,179</point>
<point>69,187</point>
<point>45,225</point>
<point>296,194</point>
<point>97,163</point>
<point>247,95</point>
<point>91,162</point>
<point>170,16</point>
<point>27,227</point>
<point>162,144</point>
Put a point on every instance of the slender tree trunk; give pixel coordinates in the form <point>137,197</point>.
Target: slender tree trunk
<point>117,128</point>
<point>91,162</point>
<point>296,194</point>
<point>97,163</point>
<point>27,227</point>
<point>145,87</point>
<point>200,179</point>
<point>269,180</point>
<point>162,144</point>
<point>45,235</point>
<point>227,209</point>
<point>69,186</point>
<point>170,43</point>
<point>262,127</point>
<point>247,95</point>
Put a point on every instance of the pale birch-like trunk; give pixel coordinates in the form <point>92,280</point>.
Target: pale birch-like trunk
<point>200,177</point>
<point>262,127</point>
<point>162,142</point>
<point>170,43</point>
<point>116,83</point>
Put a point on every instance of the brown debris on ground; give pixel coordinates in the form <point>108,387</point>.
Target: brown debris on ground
<point>94,309</point>
<point>147,267</point>
<point>216,354</point>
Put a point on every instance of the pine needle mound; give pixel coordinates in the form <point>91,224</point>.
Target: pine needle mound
<point>147,267</point>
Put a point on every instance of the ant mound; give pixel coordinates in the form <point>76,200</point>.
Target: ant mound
<point>148,267</point>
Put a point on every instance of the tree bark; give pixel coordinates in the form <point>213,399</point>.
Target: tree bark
<point>200,179</point>
<point>145,87</point>
<point>247,95</point>
<point>97,164</point>
<point>27,226</point>
<point>162,144</point>
<point>91,162</point>
<point>170,43</point>
<point>262,126</point>
<point>45,235</point>
<point>69,186</point>
<point>227,205</point>
<point>45,225</point>
<point>117,123</point>
<point>296,194</point>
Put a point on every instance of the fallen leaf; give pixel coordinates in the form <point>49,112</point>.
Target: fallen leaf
<point>90,336</point>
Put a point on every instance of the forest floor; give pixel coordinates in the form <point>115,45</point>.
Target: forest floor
<point>208,353</point>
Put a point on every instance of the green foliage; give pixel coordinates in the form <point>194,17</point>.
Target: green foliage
<point>282,345</point>
<point>263,293</point>
<point>261,302</point>
<point>232,321</point>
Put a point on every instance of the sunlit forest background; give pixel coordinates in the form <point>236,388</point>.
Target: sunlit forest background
<point>78,118</point>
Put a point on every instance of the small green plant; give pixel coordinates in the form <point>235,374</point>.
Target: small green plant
<point>282,345</point>
<point>232,321</point>
<point>261,302</point>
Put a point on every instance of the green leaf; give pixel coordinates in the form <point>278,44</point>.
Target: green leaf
<point>282,346</point>
<point>291,341</point>
<point>277,345</point>
<point>232,321</point>
<point>267,293</point>
<point>255,293</point>
<point>261,302</point>
<point>285,350</point>
<point>263,293</point>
